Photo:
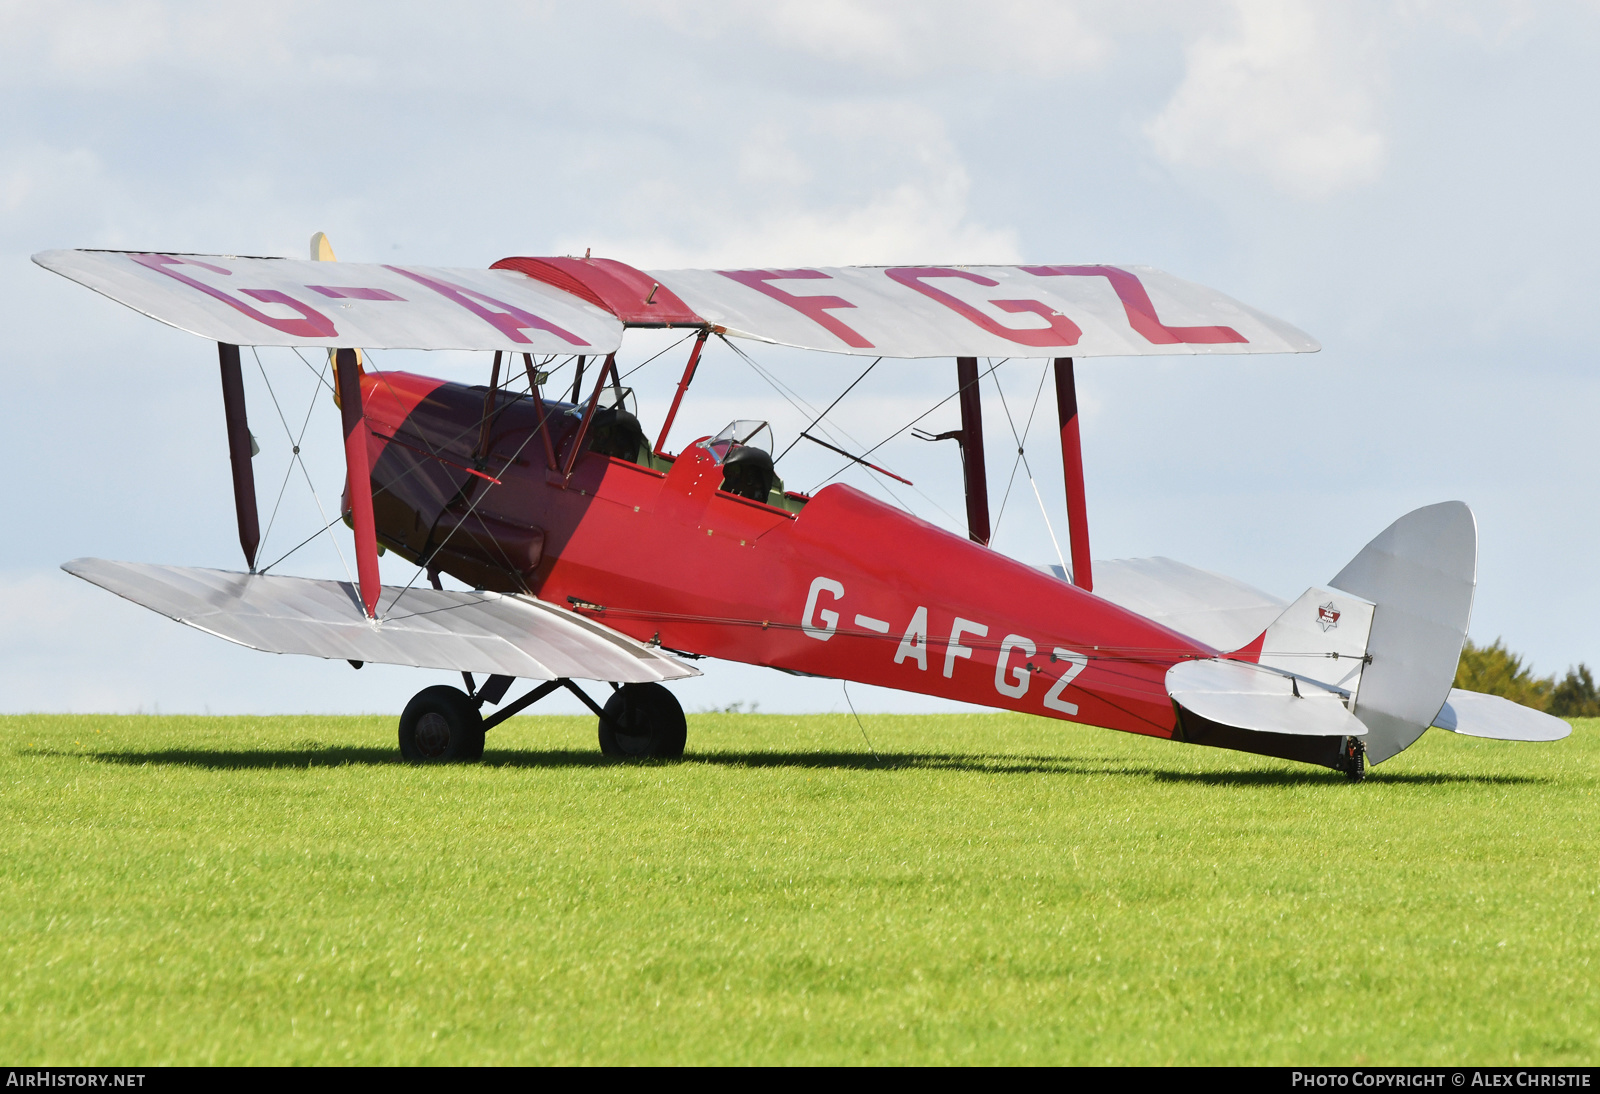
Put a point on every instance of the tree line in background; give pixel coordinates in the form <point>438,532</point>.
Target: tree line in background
<point>1495,670</point>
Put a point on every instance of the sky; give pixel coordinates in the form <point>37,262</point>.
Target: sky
<point>1413,183</point>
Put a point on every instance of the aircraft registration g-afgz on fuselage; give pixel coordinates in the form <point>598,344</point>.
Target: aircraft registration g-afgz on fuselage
<point>596,554</point>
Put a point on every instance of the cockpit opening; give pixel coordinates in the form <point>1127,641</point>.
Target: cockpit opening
<point>744,449</point>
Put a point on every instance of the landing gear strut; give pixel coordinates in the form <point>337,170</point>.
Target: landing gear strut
<point>643,720</point>
<point>1355,759</point>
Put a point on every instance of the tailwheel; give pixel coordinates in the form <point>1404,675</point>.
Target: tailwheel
<point>1355,759</point>
<point>441,724</point>
<point>643,720</point>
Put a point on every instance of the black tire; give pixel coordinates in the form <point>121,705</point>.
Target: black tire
<point>643,721</point>
<point>441,724</point>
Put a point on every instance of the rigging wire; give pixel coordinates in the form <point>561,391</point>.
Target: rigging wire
<point>1022,455</point>
<point>846,685</point>
<point>908,426</point>
<point>669,349</point>
<point>797,401</point>
<point>954,521</point>
<point>294,442</point>
<point>1026,430</point>
<point>824,414</point>
<point>328,524</point>
<point>459,525</point>
<point>472,508</point>
<point>809,410</point>
<point>788,396</point>
<point>297,459</point>
<point>321,376</point>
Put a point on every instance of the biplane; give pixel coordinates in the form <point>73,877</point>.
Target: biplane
<point>592,552</point>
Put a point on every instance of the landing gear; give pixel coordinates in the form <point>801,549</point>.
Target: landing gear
<point>1355,759</point>
<point>641,720</point>
<point>441,724</point>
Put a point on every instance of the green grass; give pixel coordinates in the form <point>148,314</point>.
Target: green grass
<point>996,889</point>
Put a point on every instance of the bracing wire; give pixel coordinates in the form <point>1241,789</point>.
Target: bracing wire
<point>297,460</point>
<point>294,441</point>
<point>846,685</point>
<point>669,349</point>
<point>825,413</point>
<point>451,534</point>
<point>1023,456</point>
<point>792,397</point>
<point>908,425</point>
<point>1017,461</point>
<point>800,404</point>
<point>901,430</point>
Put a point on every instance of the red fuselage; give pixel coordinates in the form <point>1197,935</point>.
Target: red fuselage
<point>847,587</point>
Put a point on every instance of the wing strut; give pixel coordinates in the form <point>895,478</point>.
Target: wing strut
<point>244,476</point>
<point>482,451</point>
<point>609,368</point>
<point>683,385</point>
<point>977,480</point>
<point>1072,467</point>
<point>359,482</point>
<point>536,387</point>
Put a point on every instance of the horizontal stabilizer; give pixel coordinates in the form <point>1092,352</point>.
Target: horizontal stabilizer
<point>288,302</point>
<point>1219,611</point>
<point>1248,696</point>
<point>1474,714</point>
<point>423,628</point>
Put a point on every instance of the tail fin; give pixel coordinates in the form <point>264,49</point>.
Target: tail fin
<point>1322,636</point>
<point>1420,575</point>
<point>1387,632</point>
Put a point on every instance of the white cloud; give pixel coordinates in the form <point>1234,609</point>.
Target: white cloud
<point>899,192</point>
<point>1030,37</point>
<point>1291,94</point>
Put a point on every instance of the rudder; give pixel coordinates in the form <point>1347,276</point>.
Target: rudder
<point>1420,573</point>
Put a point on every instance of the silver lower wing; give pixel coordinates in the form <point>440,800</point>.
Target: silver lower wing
<point>423,628</point>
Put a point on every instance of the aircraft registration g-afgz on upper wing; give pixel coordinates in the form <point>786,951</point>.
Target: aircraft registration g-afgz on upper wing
<point>553,306</point>
<point>284,302</point>
<point>981,311</point>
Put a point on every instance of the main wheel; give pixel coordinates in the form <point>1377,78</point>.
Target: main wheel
<point>441,724</point>
<point>643,720</point>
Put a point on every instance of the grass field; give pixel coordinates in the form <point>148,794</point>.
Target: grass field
<point>995,889</point>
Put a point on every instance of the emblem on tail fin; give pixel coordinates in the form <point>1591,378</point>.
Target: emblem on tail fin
<point>1327,616</point>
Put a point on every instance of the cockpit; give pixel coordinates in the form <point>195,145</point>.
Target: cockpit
<point>615,430</point>
<point>744,450</point>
